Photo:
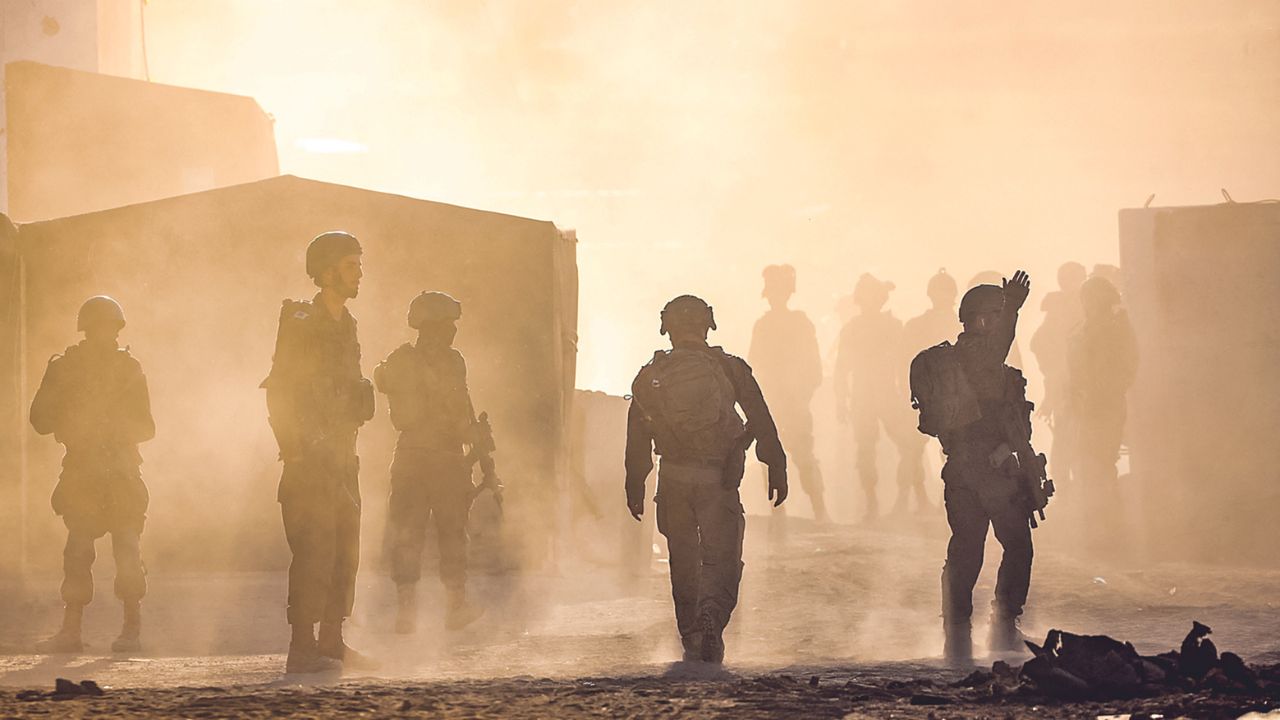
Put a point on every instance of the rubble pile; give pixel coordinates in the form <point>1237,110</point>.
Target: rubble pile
<point>1096,667</point>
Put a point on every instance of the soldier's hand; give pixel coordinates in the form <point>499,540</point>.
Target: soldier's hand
<point>1016,289</point>
<point>777,485</point>
<point>636,509</point>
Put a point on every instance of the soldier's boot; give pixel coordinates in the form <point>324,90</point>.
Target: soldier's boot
<point>459,613</point>
<point>304,658</point>
<point>872,513</point>
<point>331,645</point>
<point>67,639</point>
<point>692,644</point>
<point>406,608</point>
<point>923,505</point>
<point>130,639</point>
<point>901,502</point>
<point>957,648</point>
<point>1005,635</point>
<point>712,641</point>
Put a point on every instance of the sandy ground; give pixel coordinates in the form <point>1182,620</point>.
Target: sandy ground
<point>836,622</point>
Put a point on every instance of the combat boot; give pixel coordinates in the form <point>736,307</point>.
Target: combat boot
<point>692,644</point>
<point>901,502</point>
<point>459,613</point>
<point>872,513</point>
<point>957,648</point>
<point>1005,635</point>
<point>331,645</point>
<point>67,639</point>
<point>304,658</point>
<point>712,642</point>
<point>406,609</point>
<point>820,515</point>
<point>130,639</point>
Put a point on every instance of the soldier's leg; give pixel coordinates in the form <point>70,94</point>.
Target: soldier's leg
<point>678,523</point>
<point>799,445</point>
<point>407,514</point>
<point>722,523</point>
<point>1013,531</point>
<point>130,583</point>
<point>452,507</point>
<point>968,522</point>
<point>866,434</point>
<point>77,587</point>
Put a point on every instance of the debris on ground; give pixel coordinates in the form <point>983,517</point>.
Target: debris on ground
<point>64,689</point>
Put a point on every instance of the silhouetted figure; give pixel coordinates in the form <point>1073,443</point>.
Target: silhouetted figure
<point>1062,314</point>
<point>683,408</point>
<point>318,399</point>
<point>94,401</point>
<point>785,358</point>
<point>974,404</point>
<point>440,438</point>
<point>1103,362</point>
<point>927,329</point>
<point>871,392</point>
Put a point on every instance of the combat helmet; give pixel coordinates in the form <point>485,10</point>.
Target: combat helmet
<point>981,299</point>
<point>100,310</point>
<point>326,249</point>
<point>687,311</point>
<point>431,307</point>
<point>942,287</point>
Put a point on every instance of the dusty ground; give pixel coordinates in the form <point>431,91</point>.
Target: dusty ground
<point>854,608</point>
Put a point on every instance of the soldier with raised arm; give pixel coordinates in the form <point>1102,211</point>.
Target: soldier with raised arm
<point>684,408</point>
<point>318,399</point>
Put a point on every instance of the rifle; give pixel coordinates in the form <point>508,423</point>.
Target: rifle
<point>1037,486</point>
<point>482,449</point>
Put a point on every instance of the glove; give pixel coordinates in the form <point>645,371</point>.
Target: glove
<point>777,484</point>
<point>635,500</point>
<point>1017,289</point>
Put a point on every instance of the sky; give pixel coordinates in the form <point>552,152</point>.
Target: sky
<point>690,144</point>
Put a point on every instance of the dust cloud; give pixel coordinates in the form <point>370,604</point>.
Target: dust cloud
<point>689,145</point>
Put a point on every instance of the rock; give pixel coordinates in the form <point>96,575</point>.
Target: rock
<point>927,699</point>
<point>63,686</point>
<point>813,681</point>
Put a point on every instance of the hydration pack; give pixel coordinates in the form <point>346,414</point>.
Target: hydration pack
<point>688,399</point>
<point>941,392</point>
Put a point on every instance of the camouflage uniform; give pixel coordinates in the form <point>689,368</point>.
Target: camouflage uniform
<point>94,400</point>
<point>699,510</point>
<point>317,399</point>
<point>430,475</point>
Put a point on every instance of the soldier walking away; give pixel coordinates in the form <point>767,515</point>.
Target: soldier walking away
<point>784,354</point>
<point>976,406</point>
<point>870,393</point>
<point>317,400</point>
<point>1102,364</point>
<point>440,439</point>
<point>683,408</point>
<point>94,401</point>
<point>1062,314</point>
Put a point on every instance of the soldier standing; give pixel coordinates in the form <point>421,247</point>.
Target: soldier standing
<point>440,438</point>
<point>318,399</point>
<point>1062,313</point>
<point>784,354</point>
<point>870,393</point>
<point>970,400</point>
<point>683,407</point>
<point>1102,364</point>
<point>94,401</point>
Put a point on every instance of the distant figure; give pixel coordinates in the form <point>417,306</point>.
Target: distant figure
<point>927,329</point>
<point>976,406</point>
<point>318,399</point>
<point>1062,314</point>
<point>440,438</point>
<point>1102,362</point>
<point>94,401</point>
<point>683,408</point>
<point>871,392</point>
<point>784,355</point>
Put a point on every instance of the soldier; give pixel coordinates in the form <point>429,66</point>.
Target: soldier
<point>1062,313</point>
<point>1102,364</point>
<point>784,353</point>
<point>94,401</point>
<point>440,438</point>
<point>317,400</point>
<point>981,401</point>
<point>683,407</point>
<point>870,393</point>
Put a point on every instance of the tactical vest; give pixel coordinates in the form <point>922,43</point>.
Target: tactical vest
<point>941,392</point>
